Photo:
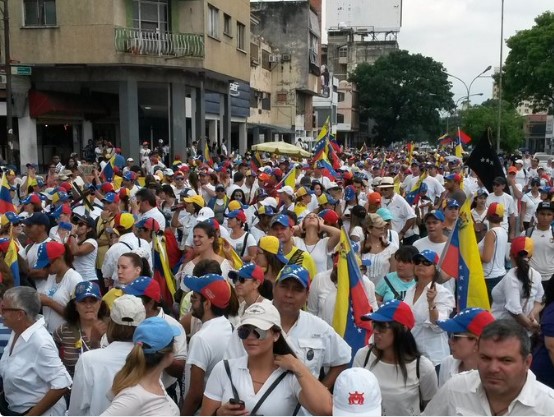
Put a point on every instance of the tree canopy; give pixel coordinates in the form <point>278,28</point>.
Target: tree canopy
<point>529,70</point>
<point>478,119</point>
<point>403,93</point>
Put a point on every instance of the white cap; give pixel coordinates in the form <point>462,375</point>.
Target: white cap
<point>519,161</point>
<point>130,160</point>
<point>205,214</point>
<point>169,172</point>
<point>332,184</point>
<point>269,201</point>
<point>376,181</point>
<point>262,315</point>
<point>128,310</point>
<point>356,393</point>
<point>287,189</point>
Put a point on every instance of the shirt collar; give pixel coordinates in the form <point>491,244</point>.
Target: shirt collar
<point>26,335</point>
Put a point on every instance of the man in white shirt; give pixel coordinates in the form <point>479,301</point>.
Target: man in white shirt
<point>499,196</point>
<point>404,216</point>
<point>543,238</point>
<point>147,208</point>
<point>502,385</point>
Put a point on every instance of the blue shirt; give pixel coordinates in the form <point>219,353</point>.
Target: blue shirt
<point>400,286</point>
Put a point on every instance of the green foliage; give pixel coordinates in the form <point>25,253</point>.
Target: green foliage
<point>403,94</point>
<point>529,70</point>
<point>478,119</point>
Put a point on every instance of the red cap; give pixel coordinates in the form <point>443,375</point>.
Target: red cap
<point>66,186</point>
<point>512,170</point>
<point>107,187</point>
<point>374,198</point>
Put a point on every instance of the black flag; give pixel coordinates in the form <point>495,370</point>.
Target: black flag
<point>485,163</point>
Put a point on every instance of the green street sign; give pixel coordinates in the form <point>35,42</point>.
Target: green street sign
<point>16,70</point>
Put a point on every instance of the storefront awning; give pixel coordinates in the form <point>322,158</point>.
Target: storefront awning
<point>275,129</point>
<point>48,103</point>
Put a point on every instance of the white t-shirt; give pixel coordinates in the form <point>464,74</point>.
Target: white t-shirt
<point>380,263</point>
<point>401,212</point>
<point>138,401</point>
<point>399,398</point>
<point>495,268</point>
<point>449,368</point>
<point>543,254</point>
<point>319,252</point>
<point>86,264</point>
<point>61,293</point>
<point>507,295</point>
<point>280,402</point>
<point>238,244</point>
<point>32,255</point>
<point>530,209</point>
<point>509,207</point>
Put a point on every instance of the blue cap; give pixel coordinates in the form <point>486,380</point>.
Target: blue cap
<point>393,310</point>
<point>12,217</point>
<point>472,320</point>
<point>427,255</point>
<point>144,286</point>
<point>249,271</point>
<point>385,214</point>
<point>85,289</point>
<point>110,197</point>
<point>451,202</point>
<point>349,193</point>
<point>297,272</point>
<point>212,286</point>
<point>281,219</point>
<point>437,214</point>
<point>155,334</point>
<point>65,226</point>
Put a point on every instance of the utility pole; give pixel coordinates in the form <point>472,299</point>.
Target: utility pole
<point>8,70</point>
<point>500,79</point>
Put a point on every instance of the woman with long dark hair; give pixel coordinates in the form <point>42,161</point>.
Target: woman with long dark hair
<point>377,249</point>
<point>251,286</point>
<point>519,294</point>
<point>407,378</point>
<point>83,246</point>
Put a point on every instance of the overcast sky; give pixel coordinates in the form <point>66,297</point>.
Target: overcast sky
<point>465,35</point>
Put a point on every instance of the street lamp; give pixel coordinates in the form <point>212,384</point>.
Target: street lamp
<point>8,70</point>
<point>468,89</point>
<point>456,107</point>
<point>500,79</point>
<point>466,97</point>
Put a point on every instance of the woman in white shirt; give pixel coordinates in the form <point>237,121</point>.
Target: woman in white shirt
<point>60,284</point>
<point>519,294</point>
<point>83,246</point>
<point>377,249</point>
<point>242,241</point>
<point>430,302</point>
<point>251,286</point>
<point>34,377</point>
<point>407,379</point>
<point>137,388</point>
<point>236,386</point>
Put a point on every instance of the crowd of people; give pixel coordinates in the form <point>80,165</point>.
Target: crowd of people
<point>209,287</point>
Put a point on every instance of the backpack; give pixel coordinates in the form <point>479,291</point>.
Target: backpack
<point>530,231</point>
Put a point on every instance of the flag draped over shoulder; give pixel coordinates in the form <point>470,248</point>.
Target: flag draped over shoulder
<point>207,156</point>
<point>461,260</point>
<point>5,197</point>
<point>108,170</point>
<point>9,247</point>
<point>352,301</point>
<point>485,163</point>
<point>162,270</point>
<point>412,197</point>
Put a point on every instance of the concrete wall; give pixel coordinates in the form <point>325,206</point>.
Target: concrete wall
<point>261,81</point>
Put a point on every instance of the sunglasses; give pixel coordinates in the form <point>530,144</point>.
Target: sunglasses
<point>422,262</point>
<point>244,331</point>
<point>456,337</point>
<point>240,280</point>
<point>381,326</point>
<point>81,224</point>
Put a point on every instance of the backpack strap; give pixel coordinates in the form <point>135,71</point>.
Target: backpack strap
<point>367,355</point>
<point>228,371</point>
<point>395,293</point>
<point>126,244</point>
<point>421,405</point>
<point>530,231</point>
<point>244,244</point>
<point>267,392</point>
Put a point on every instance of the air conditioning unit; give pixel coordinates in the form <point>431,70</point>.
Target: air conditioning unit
<point>285,58</point>
<point>273,58</point>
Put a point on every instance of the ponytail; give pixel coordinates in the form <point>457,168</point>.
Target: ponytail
<point>522,273</point>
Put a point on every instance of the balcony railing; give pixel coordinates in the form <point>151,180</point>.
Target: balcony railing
<point>156,43</point>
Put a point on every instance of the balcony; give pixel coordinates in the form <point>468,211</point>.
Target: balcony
<point>156,43</point>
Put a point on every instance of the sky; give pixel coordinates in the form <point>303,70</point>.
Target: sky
<point>464,35</point>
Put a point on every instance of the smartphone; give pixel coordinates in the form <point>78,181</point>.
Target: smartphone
<point>239,402</point>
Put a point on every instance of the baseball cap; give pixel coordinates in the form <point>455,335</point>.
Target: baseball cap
<point>249,271</point>
<point>272,245</point>
<point>545,205</point>
<point>356,393</point>
<point>237,214</point>
<point>265,210</point>
<point>519,161</point>
<point>47,253</point>
<point>427,255</point>
<point>385,214</point>
<point>499,180</point>
<point>144,286</point>
<point>107,187</point>
<point>297,272</point>
<point>522,246</point>
<point>262,315</point>
<point>437,214</point>
<point>32,199</point>
<point>287,189</point>
<point>9,217</point>
<point>62,209</point>
<point>124,221</point>
<point>212,286</point>
<point>332,185</point>
<point>329,216</point>
<point>325,198</point>
<point>386,182</point>
<point>155,334</point>
<point>496,209</point>
<point>451,202</point>
<point>111,198</point>
<point>472,320</point>
<point>302,191</point>
<point>37,218</point>
<point>375,220</point>
<point>86,289</point>
<point>454,177</point>
<point>149,223</point>
<point>393,310</point>
<point>270,201</point>
<point>374,198</point>
<point>196,199</point>
<point>205,214</point>
<point>127,310</point>
<point>236,205</point>
<point>130,160</point>
<point>130,176</point>
<point>512,170</point>
<point>281,219</point>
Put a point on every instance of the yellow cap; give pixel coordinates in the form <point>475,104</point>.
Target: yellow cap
<point>197,199</point>
<point>235,205</point>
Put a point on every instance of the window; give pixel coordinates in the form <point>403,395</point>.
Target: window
<point>266,101</point>
<point>340,97</point>
<point>343,52</point>
<point>282,97</point>
<point>151,15</point>
<point>213,22</point>
<point>254,98</point>
<point>265,60</point>
<point>340,118</point>
<point>227,25</point>
<point>40,12</point>
<point>241,36</point>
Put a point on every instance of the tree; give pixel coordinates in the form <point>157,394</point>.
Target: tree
<point>529,70</point>
<point>478,119</point>
<point>403,94</point>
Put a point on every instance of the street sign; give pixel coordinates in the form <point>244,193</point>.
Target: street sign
<point>17,70</point>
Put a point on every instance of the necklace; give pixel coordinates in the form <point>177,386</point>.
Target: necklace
<point>312,246</point>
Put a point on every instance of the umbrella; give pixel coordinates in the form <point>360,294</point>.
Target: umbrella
<point>281,148</point>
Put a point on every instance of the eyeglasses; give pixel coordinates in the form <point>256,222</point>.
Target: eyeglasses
<point>456,337</point>
<point>244,331</point>
<point>81,224</point>
<point>241,280</point>
<point>422,262</point>
<point>179,178</point>
<point>380,326</point>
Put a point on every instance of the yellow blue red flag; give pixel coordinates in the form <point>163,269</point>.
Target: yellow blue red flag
<point>5,197</point>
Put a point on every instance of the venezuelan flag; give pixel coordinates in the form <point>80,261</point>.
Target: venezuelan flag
<point>162,270</point>
<point>207,157</point>
<point>413,196</point>
<point>255,162</point>
<point>290,178</point>
<point>324,130</point>
<point>460,260</point>
<point>5,197</point>
<point>410,148</point>
<point>352,301</point>
<point>108,170</point>
<point>11,258</point>
<point>459,149</point>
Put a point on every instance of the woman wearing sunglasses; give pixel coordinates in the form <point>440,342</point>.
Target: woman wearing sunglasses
<point>430,302</point>
<point>407,379</point>
<point>251,286</point>
<point>464,331</point>
<point>270,380</point>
